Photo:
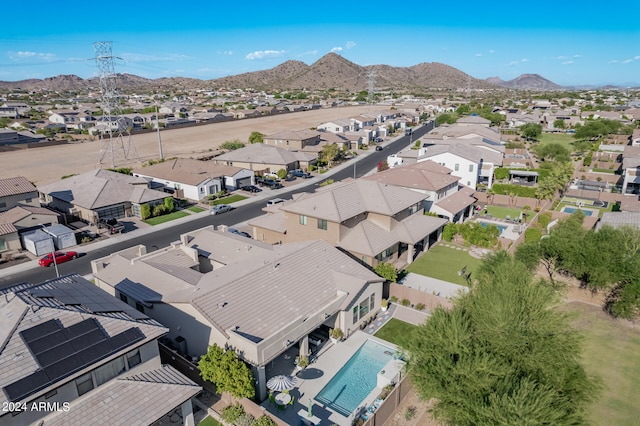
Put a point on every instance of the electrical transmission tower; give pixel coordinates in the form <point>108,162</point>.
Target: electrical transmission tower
<point>371,80</point>
<point>115,137</point>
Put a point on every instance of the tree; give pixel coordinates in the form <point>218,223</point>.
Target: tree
<point>256,137</point>
<point>446,119</point>
<point>552,151</point>
<point>232,145</point>
<point>168,204</point>
<point>386,271</point>
<point>559,124</point>
<point>227,372</point>
<point>282,173</point>
<point>329,153</point>
<point>531,131</point>
<point>145,211</point>
<point>493,358</point>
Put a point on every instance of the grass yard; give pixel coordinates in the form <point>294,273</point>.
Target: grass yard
<point>611,349</point>
<point>395,330</point>
<point>563,139</point>
<point>195,209</point>
<point>502,212</point>
<point>209,421</point>
<point>228,200</point>
<point>165,218</point>
<point>444,263</point>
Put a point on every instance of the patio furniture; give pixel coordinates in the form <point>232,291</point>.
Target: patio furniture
<point>272,399</point>
<point>282,399</point>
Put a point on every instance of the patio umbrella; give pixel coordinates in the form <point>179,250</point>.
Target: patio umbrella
<point>281,382</point>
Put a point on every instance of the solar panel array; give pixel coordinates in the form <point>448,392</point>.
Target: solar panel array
<point>62,351</point>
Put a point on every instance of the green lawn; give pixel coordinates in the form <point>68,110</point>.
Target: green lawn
<point>563,139</point>
<point>502,212</point>
<point>195,209</point>
<point>444,263</point>
<point>610,352</point>
<point>228,200</point>
<point>209,421</point>
<point>395,330</point>
<point>165,218</point>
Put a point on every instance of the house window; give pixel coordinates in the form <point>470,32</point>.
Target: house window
<point>457,167</point>
<point>355,314</point>
<point>140,307</point>
<point>303,219</point>
<point>471,167</point>
<point>84,384</point>
<point>124,298</point>
<point>133,358</point>
<point>322,224</point>
<point>364,308</point>
<point>3,244</point>
<point>372,301</point>
<point>413,209</point>
<point>108,371</point>
<point>364,259</point>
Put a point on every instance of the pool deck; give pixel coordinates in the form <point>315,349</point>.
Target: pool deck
<point>312,379</point>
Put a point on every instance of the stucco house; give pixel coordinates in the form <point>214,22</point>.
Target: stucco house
<point>83,357</point>
<point>195,179</point>
<point>17,191</point>
<point>262,158</point>
<point>100,194</point>
<point>259,299</point>
<point>373,221</point>
<point>293,139</point>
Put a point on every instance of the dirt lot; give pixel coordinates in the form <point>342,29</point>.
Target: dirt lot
<point>49,164</point>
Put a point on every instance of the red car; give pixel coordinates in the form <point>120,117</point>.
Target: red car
<point>61,257</point>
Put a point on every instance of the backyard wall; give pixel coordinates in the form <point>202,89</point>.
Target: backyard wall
<point>388,407</point>
<point>430,301</point>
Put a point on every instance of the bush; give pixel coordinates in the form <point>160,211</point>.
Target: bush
<point>532,234</point>
<point>264,420</point>
<point>410,413</point>
<point>336,333</point>
<point>158,210</point>
<point>501,173</point>
<point>244,420</point>
<point>520,191</point>
<point>282,173</point>
<point>386,271</point>
<point>450,230</point>
<point>145,211</point>
<point>394,299</point>
<point>420,306</point>
<point>405,302</point>
<point>168,205</point>
<point>544,219</point>
<point>232,413</point>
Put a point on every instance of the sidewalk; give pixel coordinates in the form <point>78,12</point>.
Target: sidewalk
<point>264,195</point>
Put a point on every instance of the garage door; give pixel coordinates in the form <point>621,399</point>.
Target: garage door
<point>113,211</point>
<point>243,182</point>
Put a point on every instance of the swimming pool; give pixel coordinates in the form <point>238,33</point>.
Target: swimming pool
<point>356,379</point>
<point>570,210</point>
<point>500,227</point>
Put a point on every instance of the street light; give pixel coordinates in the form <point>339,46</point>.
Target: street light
<point>53,251</point>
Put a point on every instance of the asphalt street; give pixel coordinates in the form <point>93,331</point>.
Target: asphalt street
<point>162,235</point>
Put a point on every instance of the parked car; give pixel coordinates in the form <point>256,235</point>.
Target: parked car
<point>220,208</point>
<point>300,173</point>
<point>272,175</point>
<point>378,140</point>
<point>239,232</point>
<point>270,183</point>
<point>251,188</point>
<point>60,257</point>
<point>111,224</point>
<point>378,148</point>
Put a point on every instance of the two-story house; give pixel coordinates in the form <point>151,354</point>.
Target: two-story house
<point>73,354</point>
<point>293,139</point>
<point>373,221</point>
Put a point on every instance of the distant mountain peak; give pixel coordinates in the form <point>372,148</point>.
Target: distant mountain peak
<point>525,82</point>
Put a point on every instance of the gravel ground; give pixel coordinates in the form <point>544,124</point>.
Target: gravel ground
<point>48,164</point>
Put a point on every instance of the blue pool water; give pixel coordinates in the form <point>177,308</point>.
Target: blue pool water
<point>500,227</point>
<point>356,379</point>
<point>573,209</point>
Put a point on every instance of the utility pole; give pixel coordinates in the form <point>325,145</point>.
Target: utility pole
<point>115,138</point>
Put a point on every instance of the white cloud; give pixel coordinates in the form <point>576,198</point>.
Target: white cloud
<point>512,63</point>
<point>637,58</point>
<point>567,62</point>
<point>492,51</point>
<point>225,52</point>
<point>262,54</point>
<point>524,60</point>
<point>562,57</point>
<point>478,55</point>
<point>577,56</point>
<point>337,49</point>
<point>350,44</point>
<point>32,55</point>
<point>614,61</point>
<point>627,61</point>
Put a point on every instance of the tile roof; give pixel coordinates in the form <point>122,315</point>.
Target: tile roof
<point>7,228</point>
<point>264,154</point>
<point>137,400</point>
<point>344,200</point>
<point>619,219</point>
<point>294,134</point>
<point>19,212</point>
<point>66,301</point>
<point>102,188</point>
<point>469,152</point>
<point>15,186</point>
<point>188,171</point>
<point>458,201</point>
<point>417,176</point>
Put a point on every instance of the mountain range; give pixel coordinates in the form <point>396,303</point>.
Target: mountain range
<point>332,71</point>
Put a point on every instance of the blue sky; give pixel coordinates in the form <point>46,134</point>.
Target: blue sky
<point>569,43</point>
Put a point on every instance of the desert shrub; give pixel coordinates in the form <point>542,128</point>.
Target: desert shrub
<point>394,299</point>
<point>410,413</point>
<point>231,413</point>
<point>405,302</point>
<point>264,420</point>
<point>245,419</point>
<point>420,306</point>
<point>158,210</point>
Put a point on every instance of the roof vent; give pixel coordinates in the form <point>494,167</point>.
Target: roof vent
<point>222,305</point>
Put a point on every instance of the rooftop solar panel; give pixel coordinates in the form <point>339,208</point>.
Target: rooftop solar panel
<point>126,338</point>
<point>83,342</point>
<point>55,354</point>
<point>40,330</point>
<point>26,386</point>
<point>81,328</point>
<point>46,342</point>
